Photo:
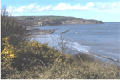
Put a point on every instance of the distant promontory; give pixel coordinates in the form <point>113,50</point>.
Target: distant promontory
<point>54,20</point>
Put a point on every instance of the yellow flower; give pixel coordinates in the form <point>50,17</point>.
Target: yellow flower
<point>6,38</point>
<point>33,44</point>
<point>10,52</point>
<point>56,55</point>
<point>3,43</point>
<point>11,46</point>
<point>7,51</point>
<point>40,45</point>
<point>59,60</point>
<point>3,51</point>
<point>3,57</point>
<point>12,56</point>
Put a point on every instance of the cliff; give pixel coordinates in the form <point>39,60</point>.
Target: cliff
<point>55,20</point>
<point>81,21</point>
<point>70,21</point>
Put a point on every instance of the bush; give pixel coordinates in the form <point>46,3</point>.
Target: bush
<point>84,57</point>
<point>37,61</point>
<point>7,54</point>
<point>29,53</point>
<point>12,28</point>
<point>12,32</point>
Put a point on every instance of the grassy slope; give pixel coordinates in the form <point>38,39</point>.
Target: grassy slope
<point>49,17</point>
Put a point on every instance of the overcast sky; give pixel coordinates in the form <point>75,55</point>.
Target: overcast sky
<point>104,10</point>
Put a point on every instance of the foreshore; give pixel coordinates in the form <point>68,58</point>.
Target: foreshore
<point>32,31</point>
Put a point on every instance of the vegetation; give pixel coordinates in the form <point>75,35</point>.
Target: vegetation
<point>54,20</point>
<point>42,17</point>
<point>12,28</point>
<point>22,59</point>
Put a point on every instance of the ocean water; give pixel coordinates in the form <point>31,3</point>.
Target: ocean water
<point>102,40</point>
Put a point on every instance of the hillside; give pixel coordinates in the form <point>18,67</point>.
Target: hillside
<point>54,20</point>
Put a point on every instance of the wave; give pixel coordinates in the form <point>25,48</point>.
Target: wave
<point>56,41</point>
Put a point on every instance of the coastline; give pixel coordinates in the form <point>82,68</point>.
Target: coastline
<point>55,20</point>
<point>33,31</point>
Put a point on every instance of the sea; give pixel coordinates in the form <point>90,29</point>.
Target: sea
<point>100,40</point>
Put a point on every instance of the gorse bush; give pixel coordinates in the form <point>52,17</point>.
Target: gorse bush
<point>7,54</point>
<point>12,32</point>
<point>31,53</point>
<point>37,61</point>
<point>9,50</point>
<point>84,57</point>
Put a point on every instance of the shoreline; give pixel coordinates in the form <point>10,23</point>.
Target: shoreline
<point>32,31</point>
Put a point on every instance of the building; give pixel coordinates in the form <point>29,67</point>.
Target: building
<point>40,23</point>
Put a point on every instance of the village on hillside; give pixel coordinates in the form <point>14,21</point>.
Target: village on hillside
<point>54,20</point>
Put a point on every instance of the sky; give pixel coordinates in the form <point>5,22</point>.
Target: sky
<point>103,10</point>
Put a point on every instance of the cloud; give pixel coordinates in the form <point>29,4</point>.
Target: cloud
<point>90,4</point>
<point>9,9</point>
<point>64,6</point>
<point>48,7</point>
<point>30,6</point>
<point>41,9</point>
<point>38,8</point>
<point>61,6</point>
<point>107,5</point>
<point>20,9</point>
<point>116,5</point>
<point>96,6</point>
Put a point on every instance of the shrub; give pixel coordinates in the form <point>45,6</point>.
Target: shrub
<point>84,57</point>
<point>32,53</point>
<point>8,51</point>
<point>12,28</point>
<point>35,60</point>
<point>7,54</point>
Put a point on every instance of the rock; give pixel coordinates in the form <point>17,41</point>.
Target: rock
<point>65,32</point>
